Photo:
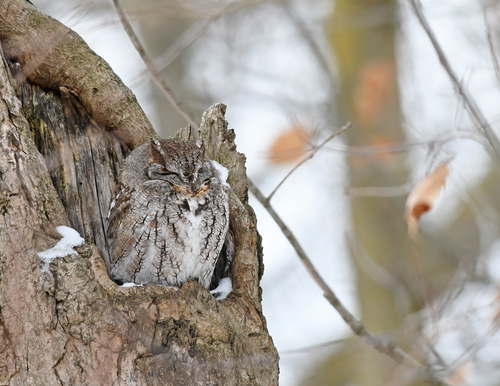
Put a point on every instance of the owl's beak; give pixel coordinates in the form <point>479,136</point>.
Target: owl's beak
<point>198,191</point>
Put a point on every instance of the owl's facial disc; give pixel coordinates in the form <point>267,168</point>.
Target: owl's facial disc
<point>158,172</point>
<point>183,181</point>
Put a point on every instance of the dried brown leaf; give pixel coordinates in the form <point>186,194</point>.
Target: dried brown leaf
<point>422,197</point>
<point>289,146</point>
<point>459,378</point>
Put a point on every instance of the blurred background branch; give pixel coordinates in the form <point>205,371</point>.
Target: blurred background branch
<point>470,103</point>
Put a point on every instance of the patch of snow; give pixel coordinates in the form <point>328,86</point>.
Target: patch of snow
<point>127,285</point>
<point>64,247</point>
<point>224,173</point>
<point>223,289</point>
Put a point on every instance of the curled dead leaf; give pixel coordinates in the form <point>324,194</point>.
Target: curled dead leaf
<point>422,197</point>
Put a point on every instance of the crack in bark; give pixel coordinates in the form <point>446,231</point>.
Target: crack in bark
<point>59,360</point>
<point>157,316</point>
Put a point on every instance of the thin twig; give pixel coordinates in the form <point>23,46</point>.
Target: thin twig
<point>318,51</point>
<point>379,274</point>
<point>378,191</point>
<point>470,103</point>
<point>150,66</point>
<point>318,148</point>
<point>186,40</point>
<point>315,347</point>
<point>378,342</point>
<point>494,57</point>
<point>479,342</point>
<point>404,146</point>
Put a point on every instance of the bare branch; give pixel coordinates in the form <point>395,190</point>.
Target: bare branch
<point>404,146</point>
<point>151,67</point>
<point>378,191</point>
<point>494,57</point>
<point>314,347</point>
<point>379,274</point>
<point>318,148</point>
<point>319,52</point>
<point>378,342</point>
<point>186,40</point>
<point>470,103</point>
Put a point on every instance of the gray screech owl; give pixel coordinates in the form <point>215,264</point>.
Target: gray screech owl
<point>168,223</point>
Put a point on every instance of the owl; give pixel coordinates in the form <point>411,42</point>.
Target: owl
<point>169,221</point>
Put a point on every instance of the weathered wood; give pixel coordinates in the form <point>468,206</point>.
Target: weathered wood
<point>82,158</point>
<point>31,339</point>
<point>52,56</point>
<point>74,326</point>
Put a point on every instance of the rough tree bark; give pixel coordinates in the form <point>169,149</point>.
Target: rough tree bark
<point>67,122</point>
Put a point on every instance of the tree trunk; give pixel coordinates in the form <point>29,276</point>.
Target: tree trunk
<point>368,97</point>
<point>63,138</point>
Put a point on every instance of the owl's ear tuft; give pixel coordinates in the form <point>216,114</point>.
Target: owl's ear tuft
<point>199,141</point>
<point>201,145</point>
<point>155,152</point>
